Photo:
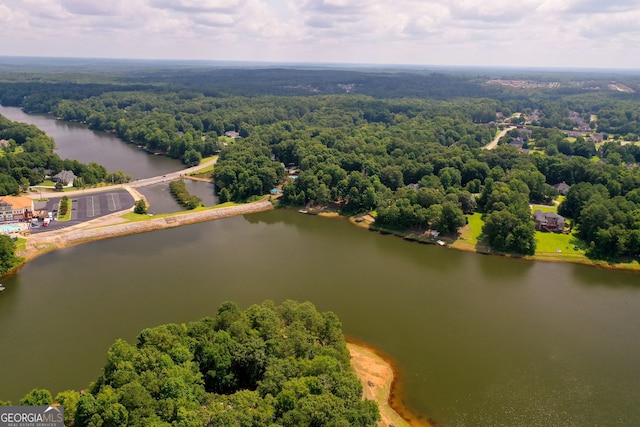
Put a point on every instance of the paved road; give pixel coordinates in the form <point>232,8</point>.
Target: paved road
<point>493,144</point>
<point>172,176</point>
<point>92,203</point>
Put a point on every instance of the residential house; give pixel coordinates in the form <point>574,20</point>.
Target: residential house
<point>549,221</point>
<point>65,177</point>
<point>597,138</point>
<point>232,134</point>
<point>563,188</point>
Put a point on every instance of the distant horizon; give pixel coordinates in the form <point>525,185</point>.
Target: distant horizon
<point>22,59</point>
<point>530,34</point>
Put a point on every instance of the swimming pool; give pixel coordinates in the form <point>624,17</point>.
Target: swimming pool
<point>8,229</point>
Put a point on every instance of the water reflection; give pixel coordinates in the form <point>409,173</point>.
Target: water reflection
<point>205,190</point>
<point>161,201</point>
<point>601,276</point>
<point>503,269</point>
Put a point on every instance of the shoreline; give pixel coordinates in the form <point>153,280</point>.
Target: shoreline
<point>114,225</point>
<point>457,245</point>
<point>379,377</point>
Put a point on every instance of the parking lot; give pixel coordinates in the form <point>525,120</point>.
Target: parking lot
<point>85,208</point>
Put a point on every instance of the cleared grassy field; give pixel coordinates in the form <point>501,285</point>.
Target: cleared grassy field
<point>470,233</point>
<point>475,225</point>
<point>544,208</point>
<point>558,243</point>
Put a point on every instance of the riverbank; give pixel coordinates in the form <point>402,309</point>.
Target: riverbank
<point>115,225</point>
<point>463,243</point>
<point>378,378</point>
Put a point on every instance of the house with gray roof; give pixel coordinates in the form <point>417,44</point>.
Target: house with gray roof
<point>65,177</point>
<point>563,188</point>
<point>549,221</point>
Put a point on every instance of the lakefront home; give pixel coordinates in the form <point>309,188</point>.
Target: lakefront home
<point>549,221</point>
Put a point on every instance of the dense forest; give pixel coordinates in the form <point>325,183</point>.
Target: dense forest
<point>269,365</point>
<point>404,145</point>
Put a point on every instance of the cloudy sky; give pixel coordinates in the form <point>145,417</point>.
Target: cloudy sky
<point>530,33</point>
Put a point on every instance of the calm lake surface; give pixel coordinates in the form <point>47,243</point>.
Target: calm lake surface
<point>74,141</point>
<point>161,201</point>
<point>478,340</point>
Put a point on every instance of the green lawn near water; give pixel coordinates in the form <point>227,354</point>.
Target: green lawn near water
<point>558,243</point>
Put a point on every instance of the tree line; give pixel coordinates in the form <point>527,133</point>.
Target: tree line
<point>415,162</point>
<point>179,190</point>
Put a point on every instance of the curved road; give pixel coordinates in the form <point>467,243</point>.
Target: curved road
<point>493,144</point>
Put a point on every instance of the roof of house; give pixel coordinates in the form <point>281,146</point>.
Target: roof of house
<point>17,202</point>
<point>542,216</point>
<point>65,176</point>
<point>563,186</point>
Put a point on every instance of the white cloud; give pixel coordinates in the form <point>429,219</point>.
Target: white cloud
<point>197,5</point>
<point>472,32</point>
<point>599,7</point>
<point>40,9</point>
<point>214,20</point>
<point>6,15</point>
<point>93,7</point>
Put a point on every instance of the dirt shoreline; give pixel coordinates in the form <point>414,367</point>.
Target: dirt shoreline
<point>378,376</point>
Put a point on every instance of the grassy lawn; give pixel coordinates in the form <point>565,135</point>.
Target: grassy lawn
<point>475,225</point>
<point>206,170</point>
<point>21,244</point>
<point>558,243</point>
<point>544,208</point>
<point>134,217</point>
<point>206,159</point>
<point>470,233</point>
<point>203,171</point>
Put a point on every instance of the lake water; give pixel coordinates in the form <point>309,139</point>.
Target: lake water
<point>478,340</point>
<point>75,141</point>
